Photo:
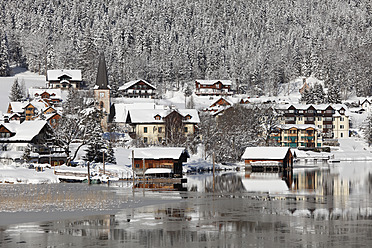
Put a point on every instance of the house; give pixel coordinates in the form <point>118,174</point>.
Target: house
<point>331,119</point>
<point>366,104</point>
<point>17,137</point>
<point>119,111</point>
<point>52,96</point>
<point>268,158</point>
<point>213,87</point>
<point>64,79</point>
<point>157,126</point>
<point>159,161</point>
<point>218,106</point>
<point>138,89</point>
<point>28,110</point>
<point>295,135</point>
<point>53,119</point>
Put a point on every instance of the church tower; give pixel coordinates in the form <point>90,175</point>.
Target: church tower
<point>102,91</point>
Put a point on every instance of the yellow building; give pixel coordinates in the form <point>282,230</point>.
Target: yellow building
<point>156,126</point>
<point>295,135</point>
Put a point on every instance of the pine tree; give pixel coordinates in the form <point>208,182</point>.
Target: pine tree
<point>4,56</point>
<point>307,96</point>
<point>334,94</point>
<point>367,130</point>
<point>94,136</point>
<point>110,154</point>
<point>16,92</point>
<point>318,94</point>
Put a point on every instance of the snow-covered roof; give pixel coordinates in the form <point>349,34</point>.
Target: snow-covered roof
<point>17,107</point>
<point>131,83</point>
<point>158,171</point>
<point>148,115</point>
<point>121,109</point>
<point>212,82</point>
<point>33,91</point>
<point>265,152</point>
<point>158,153</point>
<point>54,75</point>
<point>24,131</point>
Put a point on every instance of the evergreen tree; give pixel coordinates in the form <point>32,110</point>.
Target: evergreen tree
<point>94,136</point>
<point>307,96</point>
<point>4,56</point>
<point>318,94</point>
<point>16,92</point>
<point>334,94</point>
<point>367,130</point>
<point>110,154</point>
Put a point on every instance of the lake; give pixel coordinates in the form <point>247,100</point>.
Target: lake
<point>329,206</point>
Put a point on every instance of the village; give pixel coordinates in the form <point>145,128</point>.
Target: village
<point>141,135</point>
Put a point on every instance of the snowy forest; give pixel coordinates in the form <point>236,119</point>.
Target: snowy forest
<point>257,44</point>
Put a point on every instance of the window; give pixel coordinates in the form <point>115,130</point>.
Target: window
<point>160,139</point>
<point>145,129</point>
<point>144,139</point>
<point>301,111</point>
<point>310,111</point>
<point>186,129</point>
<point>319,111</point>
<point>342,135</point>
<point>137,165</point>
<point>319,118</point>
<point>310,118</point>
<point>291,111</point>
<point>160,129</point>
<point>157,117</point>
<point>342,118</point>
<point>319,126</point>
<point>300,118</point>
<point>341,126</point>
<point>328,119</point>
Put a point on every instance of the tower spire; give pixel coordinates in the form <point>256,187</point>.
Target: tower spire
<point>102,80</point>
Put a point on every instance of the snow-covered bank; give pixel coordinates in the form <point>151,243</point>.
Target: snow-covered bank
<point>19,174</point>
<point>352,149</point>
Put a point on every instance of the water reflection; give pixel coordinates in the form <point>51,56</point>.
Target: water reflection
<point>320,207</point>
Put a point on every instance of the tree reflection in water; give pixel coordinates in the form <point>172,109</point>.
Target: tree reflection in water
<point>322,208</point>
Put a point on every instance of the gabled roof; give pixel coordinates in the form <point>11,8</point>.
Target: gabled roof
<point>212,82</point>
<point>158,153</point>
<point>265,152</point>
<point>17,107</point>
<point>54,75</point>
<point>121,109</point>
<point>139,116</point>
<point>131,83</point>
<point>33,91</point>
<point>24,131</point>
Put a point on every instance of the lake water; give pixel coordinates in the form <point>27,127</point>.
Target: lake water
<point>313,207</point>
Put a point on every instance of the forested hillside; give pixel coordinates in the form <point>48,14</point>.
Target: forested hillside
<point>258,44</point>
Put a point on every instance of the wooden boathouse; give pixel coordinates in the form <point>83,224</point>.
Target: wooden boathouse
<point>268,159</point>
<point>159,161</point>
